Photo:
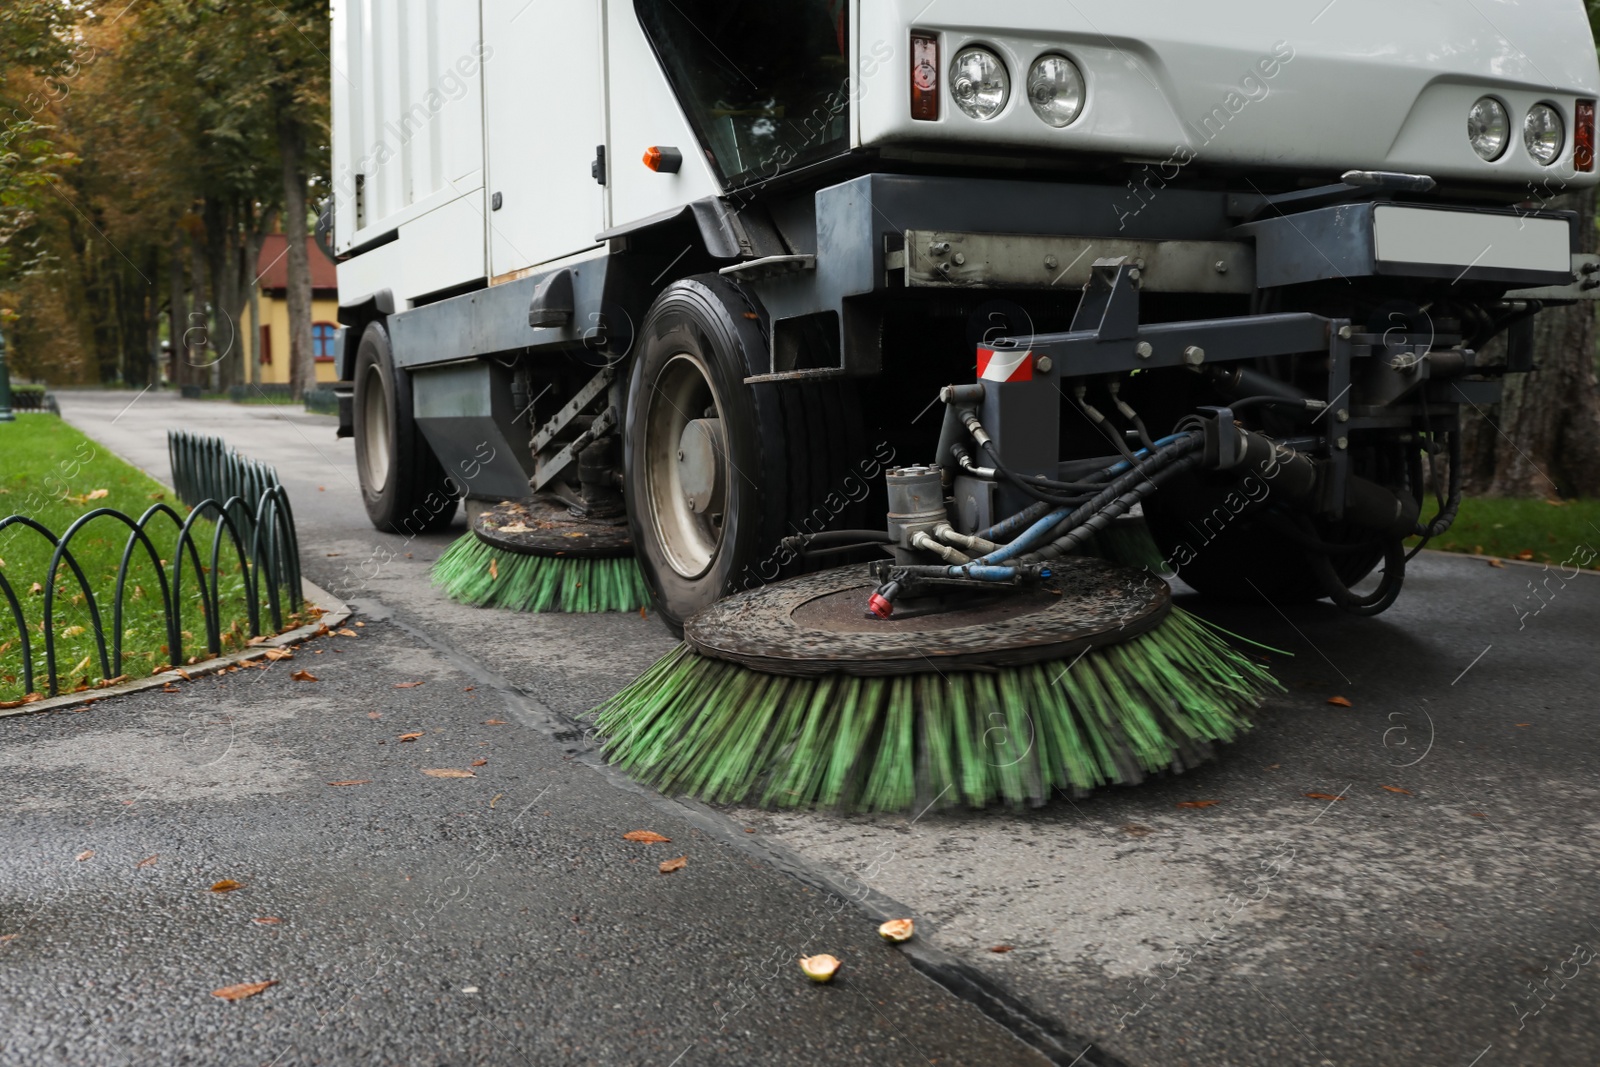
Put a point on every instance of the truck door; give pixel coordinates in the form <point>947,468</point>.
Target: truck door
<point>544,85</point>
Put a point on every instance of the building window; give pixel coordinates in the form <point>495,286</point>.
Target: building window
<point>265,347</point>
<point>322,334</point>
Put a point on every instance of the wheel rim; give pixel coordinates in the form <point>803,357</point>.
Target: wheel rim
<point>687,470</point>
<point>374,430</point>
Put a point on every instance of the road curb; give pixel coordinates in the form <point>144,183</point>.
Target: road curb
<point>331,612</point>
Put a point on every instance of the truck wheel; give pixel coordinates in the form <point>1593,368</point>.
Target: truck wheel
<point>402,484</point>
<point>717,472</point>
<point>1250,562</point>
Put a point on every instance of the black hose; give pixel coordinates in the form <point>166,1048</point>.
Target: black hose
<point>1347,599</point>
<point>1450,506</point>
<point>1122,494</point>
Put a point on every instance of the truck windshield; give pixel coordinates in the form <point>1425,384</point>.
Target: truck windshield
<point>766,83</point>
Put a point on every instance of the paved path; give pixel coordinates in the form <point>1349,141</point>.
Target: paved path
<point>1451,922</point>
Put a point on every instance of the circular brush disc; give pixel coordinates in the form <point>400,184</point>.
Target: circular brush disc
<point>818,624</point>
<point>547,527</point>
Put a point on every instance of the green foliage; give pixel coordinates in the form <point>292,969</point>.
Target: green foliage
<point>1567,533</point>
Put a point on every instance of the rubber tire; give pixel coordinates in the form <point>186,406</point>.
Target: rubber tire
<point>1251,563</point>
<point>794,444</point>
<point>415,496</point>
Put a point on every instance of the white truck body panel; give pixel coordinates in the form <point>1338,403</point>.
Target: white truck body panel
<point>1356,85</point>
<point>439,104</point>
<point>544,94</point>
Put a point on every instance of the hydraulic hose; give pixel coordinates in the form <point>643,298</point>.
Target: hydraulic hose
<point>1347,599</point>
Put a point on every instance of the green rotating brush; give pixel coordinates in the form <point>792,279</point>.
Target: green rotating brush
<point>790,696</point>
<point>539,556</point>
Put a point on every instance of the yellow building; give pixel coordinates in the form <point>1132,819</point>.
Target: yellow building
<point>267,347</point>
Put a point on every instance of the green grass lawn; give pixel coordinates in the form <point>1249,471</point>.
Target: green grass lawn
<point>53,474</point>
<point>1567,533</point>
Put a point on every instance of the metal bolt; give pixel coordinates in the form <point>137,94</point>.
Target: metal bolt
<point>681,456</point>
<point>1343,443</point>
<point>1051,263</point>
<point>1222,266</point>
<point>1342,415</point>
<point>1135,274</point>
<point>691,500</point>
<point>944,268</point>
<point>1345,333</point>
<point>938,249</point>
<point>1194,355</point>
<point>1144,350</point>
<point>1043,364</point>
<point>960,258</point>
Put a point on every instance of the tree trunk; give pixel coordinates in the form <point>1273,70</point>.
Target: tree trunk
<point>302,362</point>
<point>1543,438</point>
<point>177,316</point>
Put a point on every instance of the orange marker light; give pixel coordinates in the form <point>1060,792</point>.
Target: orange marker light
<point>663,160</point>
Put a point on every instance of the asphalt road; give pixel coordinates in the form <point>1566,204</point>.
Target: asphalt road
<point>1448,919</point>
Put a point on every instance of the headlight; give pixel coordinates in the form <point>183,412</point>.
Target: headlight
<point>1544,133</point>
<point>1488,128</point>
<point>979,83</point>
<point>1055,89</point>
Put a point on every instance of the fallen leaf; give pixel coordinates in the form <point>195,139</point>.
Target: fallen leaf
<point>494,569</point>
<point>495,722</point>
<point>668,866</point>
<point>1323,796</point>
<point>1524,724</point>
<point>354,781</point>
<point>407,685</point>
<point>1397,789</point>
<point>645,837</point>
<point>1002,949</point>
<point>257,640</point>
<point>9,937</point>
<point>85,854</point>
<point>469,689</point>
<point>412,737</point>
<point>1197,803</point>
<point>170,689</point>
<point>1342,702</point>
<point>303,676</point>
<point>749,829</point>
<point>496,798</point>
<point>347,632</point>
<point>447,772</point>
<point>227,885</point>
<point>1477,815</point>
<point>478,762</point>
<point>643,614</point>
<point>1273,766</point>
<point>242,990</point>
<point>1496,563</point>
<point>267,920</point>
<point>1134,829</point>
<point>148,861</point>
<point>1525,554</point>
<point>360,624</point>
<point>98,494</point>
<point>35,589</point>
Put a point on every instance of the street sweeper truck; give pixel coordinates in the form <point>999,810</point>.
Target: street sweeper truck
<point>900,352</point>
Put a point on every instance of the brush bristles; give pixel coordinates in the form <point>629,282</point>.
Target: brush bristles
<point>722,732</point>
<point>476,573</point>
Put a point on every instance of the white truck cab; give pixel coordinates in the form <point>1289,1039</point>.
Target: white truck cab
<point>711,256</point>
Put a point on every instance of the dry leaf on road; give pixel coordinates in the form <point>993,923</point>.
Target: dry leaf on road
<point>1197,803</point>
<point>447,772</point>
<point>354,781</point>
<point>148,861</point>
<point>1134,829</point>
<point>267,920</point>
<point>227,885</point>
<point>1397,789</point>
<point>374,714</point>
<point>303,676</point>
<point>243,989</point>
<point>1323,796</point>
<point>346,632</point>
<point>1525,555</point>
<point>678,864</point>
<point>1496,563</point>
<point>276,654</point>
<point>407,685</point>
<point>85,854</point>
<point>479,762</point>
<point>1002,949</point>
<point>646,837</point>
<point>412,737</point>
<point>495,722</point>
<point>1342,702</point>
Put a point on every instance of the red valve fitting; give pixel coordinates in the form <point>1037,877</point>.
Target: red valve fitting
<point>881,606</point>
